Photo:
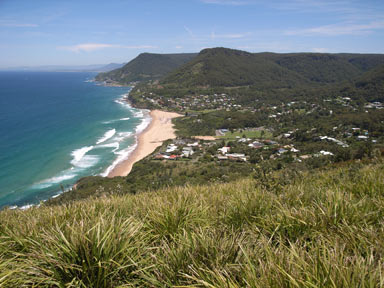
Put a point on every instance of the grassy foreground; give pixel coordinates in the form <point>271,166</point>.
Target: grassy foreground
<point>321,229</point>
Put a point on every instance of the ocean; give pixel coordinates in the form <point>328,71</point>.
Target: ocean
<point>58,127</point>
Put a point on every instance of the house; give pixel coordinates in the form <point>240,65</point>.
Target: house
<point>282,151</point>
<point>224,150</point>
<point>326,153</point>
<point>171,148</point>
<point>270,142</point>
<point>195,144</point>
<point>187,152</point>
<point>305,156</point>
<point>256,145</point>
<point>179,141</point>
<point>222,157</point>
<point>237,157</point>
<point>161,156</point>
<point>362,137</point>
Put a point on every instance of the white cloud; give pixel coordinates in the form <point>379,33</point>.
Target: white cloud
<point>320,50</point>
<point>339,29</point>
<point>179,47</point>
<point>228,36</point>
<point>15,24</point>
<point>139,47</point>
<point>89,47</point>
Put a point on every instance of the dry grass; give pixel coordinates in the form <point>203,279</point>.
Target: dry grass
<point>325,229</point>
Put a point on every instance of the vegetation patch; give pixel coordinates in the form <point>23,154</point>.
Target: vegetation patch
<point>321,229</point>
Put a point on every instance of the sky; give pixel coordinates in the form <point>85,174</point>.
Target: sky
<point>83,32</point>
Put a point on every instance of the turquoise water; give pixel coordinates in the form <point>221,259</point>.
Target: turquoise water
<point>58,127</point>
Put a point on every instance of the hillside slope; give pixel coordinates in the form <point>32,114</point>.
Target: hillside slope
<point>227,67</point>
<point>367,87</point>
<point>146,66</point>
<point>318,229</point>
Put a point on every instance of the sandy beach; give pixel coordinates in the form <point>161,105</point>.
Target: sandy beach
<point>159,130</point>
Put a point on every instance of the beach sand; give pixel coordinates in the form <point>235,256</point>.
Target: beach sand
<point>159,130</point>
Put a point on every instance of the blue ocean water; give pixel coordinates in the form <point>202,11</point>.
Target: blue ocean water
<point>58,127</point>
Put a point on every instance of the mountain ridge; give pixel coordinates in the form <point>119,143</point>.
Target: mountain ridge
<point>228,67</point>
<point>146,66</point>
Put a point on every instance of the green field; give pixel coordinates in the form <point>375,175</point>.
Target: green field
<point>260,134</point>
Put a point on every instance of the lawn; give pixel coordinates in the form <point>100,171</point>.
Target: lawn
<point>265,134</point>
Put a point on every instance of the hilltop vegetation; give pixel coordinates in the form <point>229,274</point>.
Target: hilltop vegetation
<point>316,229</point>
<point>226,67</point>
<point>145,67</point>
<point>219,67</point>
<point>223,67</point>
<point>254,79</point>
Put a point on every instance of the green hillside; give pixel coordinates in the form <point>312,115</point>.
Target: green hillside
<point>322,68</point>
<point>315,229</point>
<point>367,87</point>
<point>146,66</point>
<point>226,67</point>
<point>370,86</point>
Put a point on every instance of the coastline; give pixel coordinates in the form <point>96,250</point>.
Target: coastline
<point>159,130</point>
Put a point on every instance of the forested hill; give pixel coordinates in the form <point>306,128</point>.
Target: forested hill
<point>146,66</point>
<point>370,86</point>
<point>227,67</point>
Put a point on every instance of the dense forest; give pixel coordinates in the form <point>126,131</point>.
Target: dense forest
<point>145,67</point>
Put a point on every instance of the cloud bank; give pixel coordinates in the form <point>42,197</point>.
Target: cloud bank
<point>89,47</point>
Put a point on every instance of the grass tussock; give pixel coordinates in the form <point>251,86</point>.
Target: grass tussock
<point>323,229</point>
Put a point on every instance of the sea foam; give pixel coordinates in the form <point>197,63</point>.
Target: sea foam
<point>78,154</point>
<point>81,160</point>
<point>144,124</point>
<point>122,136</point>
<point>107,135</point>
<point>116,120</point>
<point>123,154</point>
<point>115,145</point>
<point>123,103</point>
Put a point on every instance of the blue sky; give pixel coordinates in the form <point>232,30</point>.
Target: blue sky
<point>81,32</point>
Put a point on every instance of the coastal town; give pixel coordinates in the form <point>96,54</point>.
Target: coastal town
<point>284,137</point>
<point>254,150</point>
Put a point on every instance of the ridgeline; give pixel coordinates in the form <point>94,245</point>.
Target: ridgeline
<point>145,67</point>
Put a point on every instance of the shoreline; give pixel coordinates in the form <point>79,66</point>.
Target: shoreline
<point>159,130</point>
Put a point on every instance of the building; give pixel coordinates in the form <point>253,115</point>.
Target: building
<point>187,152</point>
<point>224,150</point>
